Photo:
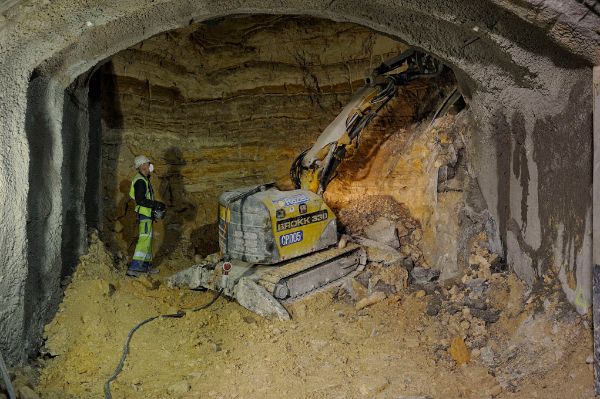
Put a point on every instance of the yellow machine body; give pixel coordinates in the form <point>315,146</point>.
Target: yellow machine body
<point>271,226</point>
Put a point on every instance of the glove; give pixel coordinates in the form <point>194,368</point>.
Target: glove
<point>158,210</point>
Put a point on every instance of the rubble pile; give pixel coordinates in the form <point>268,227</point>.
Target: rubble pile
<point>391,237</point>
<point>464,309</point>
<point>356,216</point>
<point>385,227</point>
<point>461,309</point>
<point>393,240</point>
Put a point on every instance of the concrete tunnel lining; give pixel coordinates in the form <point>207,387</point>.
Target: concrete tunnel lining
<point>69,47</point>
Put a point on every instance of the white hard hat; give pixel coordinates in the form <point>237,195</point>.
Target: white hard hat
<point>140,160</point>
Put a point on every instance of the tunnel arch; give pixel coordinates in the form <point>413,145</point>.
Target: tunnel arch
<point>526,58</point>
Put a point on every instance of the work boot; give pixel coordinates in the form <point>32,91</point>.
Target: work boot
<point>150,269</point>
<point>133,273</point>
<point>136,269</point>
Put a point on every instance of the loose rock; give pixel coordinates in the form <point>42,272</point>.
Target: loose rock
<point>477,285</point>
<point>356,289</point>
<point>495,391</point>
<point>489,316</point>
<point>389,279</point>
<point>180,388</point>
<point>434,306</point>
<point>421,275</point>
<point>590,359</point>
<point>370,300</point>
<point>487,356</point>
<point>374,385</point>
<point>459,351</point>
<point>475,303</point>
<point>383,231</point>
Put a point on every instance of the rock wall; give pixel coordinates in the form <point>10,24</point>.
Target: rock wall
<point>222,105</point>
<point>426,166</point>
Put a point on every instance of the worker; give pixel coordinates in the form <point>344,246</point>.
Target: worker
<point>147,210</point>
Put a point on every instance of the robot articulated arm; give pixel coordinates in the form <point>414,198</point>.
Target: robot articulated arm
<point>314,168</point>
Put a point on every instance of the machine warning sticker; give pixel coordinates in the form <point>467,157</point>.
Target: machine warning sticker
<point>291,238</point>
<point>293,200</point>
<point>302,220</point>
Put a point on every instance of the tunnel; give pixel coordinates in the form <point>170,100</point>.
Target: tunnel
<point>476,216</point>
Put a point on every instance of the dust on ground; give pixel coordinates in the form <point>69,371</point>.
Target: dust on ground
<point>398,346</point>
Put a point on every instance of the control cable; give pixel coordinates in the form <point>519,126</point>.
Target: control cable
<point>179,314</point>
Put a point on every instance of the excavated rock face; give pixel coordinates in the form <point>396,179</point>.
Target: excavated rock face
<point>220,106</point>
<point>524,67</point>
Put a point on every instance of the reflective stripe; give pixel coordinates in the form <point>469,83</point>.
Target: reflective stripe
<point>140,255</point>
<point>143,257</point>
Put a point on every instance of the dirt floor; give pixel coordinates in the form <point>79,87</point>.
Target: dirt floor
<point>410,343</point>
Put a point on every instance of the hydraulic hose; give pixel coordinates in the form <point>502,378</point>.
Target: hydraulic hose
<point>180,313</point>
<point>6,378</point>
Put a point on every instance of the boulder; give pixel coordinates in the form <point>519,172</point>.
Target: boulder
<point>421,275</point>
<point>383,231</point>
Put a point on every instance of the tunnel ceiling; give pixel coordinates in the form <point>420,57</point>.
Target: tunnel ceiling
<point>75,36</point>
